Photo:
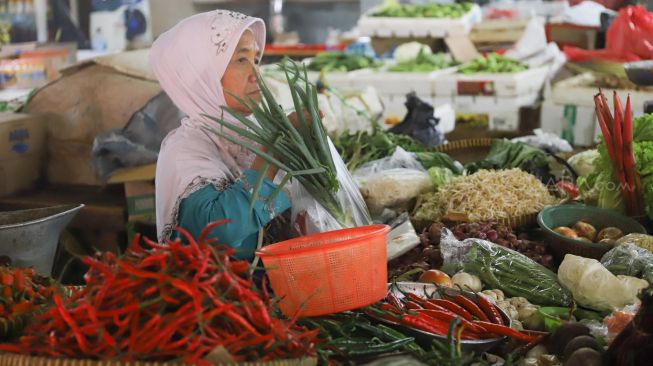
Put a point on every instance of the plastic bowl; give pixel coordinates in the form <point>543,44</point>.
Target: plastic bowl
<point>329,272</point>
<point>567,215</point>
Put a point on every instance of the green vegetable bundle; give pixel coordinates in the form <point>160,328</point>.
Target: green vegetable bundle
<point>506,154</point>
<point>340,61</point>
<point>601,187</point>
<point>424,62</point>
<point>303,152</point>
<point>510,271</point>
<point>392,8</point>
<point>493,63</point>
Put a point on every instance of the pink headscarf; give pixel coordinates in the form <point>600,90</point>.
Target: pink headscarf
<point>189,61</point>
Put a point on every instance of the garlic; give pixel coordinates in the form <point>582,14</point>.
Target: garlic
<point>467,282</point>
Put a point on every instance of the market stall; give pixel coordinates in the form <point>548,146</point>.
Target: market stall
<point>423,224</point>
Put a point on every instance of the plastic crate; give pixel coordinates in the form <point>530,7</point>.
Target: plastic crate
<point>485,84</point>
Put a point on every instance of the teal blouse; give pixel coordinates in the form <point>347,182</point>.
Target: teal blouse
<point>208,205</point>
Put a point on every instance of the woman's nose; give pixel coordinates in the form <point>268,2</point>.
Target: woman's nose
<point>252,78</point>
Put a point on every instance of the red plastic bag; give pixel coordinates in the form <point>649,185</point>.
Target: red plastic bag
<point>630,38</point>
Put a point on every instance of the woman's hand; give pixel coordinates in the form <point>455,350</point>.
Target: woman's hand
<point>307,117</point>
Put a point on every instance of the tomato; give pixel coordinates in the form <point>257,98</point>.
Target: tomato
<point>568,187</point>
<point>436,277</point>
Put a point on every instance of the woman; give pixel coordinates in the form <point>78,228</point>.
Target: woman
<point>202,63</point>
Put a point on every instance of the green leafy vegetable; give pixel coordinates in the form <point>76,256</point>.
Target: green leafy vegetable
<point>506,154</point>
<point>392,8</point>
<point>362,147</point>
<point>440,176</point>
<point>340,61</point>
<point>424,62</point>
<point>437,159</point>
<point>493,63</point>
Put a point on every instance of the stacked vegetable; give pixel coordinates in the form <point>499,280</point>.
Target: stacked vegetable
<point>493,63</point>
<point>392,8</point>
<point>340,61</point>
<point>603,186</point>
<point>166,302</point>
<point>473,318</point>
<point>424,62</point>
<point>23,293</point>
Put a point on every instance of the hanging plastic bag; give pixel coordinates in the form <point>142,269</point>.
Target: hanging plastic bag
<point>629,38</point>
<point>310,217</point>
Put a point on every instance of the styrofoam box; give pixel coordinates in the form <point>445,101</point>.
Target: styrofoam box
<point>576,124</point>
<point>569,111</point>
<point>385,27</point>
<point>501,85</point>
<point>337,80</point>
<point>503,112</point>
<point>387,82</point>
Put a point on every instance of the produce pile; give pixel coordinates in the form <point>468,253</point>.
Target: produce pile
<point>160,303</point>
<point>392,8</point>
<point>424,62</point>
<point>493,63</point>
<point>487,195</point>
<point>339,61</point>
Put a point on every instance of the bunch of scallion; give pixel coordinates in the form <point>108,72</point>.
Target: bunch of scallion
<point>302,152</point>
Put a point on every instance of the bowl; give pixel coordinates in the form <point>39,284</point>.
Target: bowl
<point>640,72</point>
<point>567,215</point>
<point>426,338</point>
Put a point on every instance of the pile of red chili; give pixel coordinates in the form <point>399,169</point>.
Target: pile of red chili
<point>172,302</point>
<point>22,292</point>
<point>478,319</point>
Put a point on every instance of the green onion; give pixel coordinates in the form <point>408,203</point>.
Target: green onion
<point>302,152</point>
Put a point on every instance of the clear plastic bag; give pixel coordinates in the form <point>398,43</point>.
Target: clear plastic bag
<point>629,260</point>
<point>614,323</point>
<point>504,269</point>
<point>392,182</point>
<point>545,141</point>
<point>310,217</point>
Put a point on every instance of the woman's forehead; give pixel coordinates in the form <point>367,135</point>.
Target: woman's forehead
<point>247,41</point>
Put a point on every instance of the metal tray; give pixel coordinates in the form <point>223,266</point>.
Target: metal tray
<point>425,338</point>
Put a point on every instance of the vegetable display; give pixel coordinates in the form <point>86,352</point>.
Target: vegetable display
<point>164,302</point>
<point>23,294</point>
<point>303,152</point>
<point>505,269</point>
<point>487,195</point>
<point>493,63</point>
<point>475,319</point>
<point>506,154</point>
<point>362,147</point>
<point>424,62</point>
<point>339,61</point>
<point>392,8</point>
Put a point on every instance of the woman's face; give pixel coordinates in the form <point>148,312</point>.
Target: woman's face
<point>239,78</point>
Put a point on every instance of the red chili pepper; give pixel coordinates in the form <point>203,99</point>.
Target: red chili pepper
<point>570,188</point>
<point>490,310</point>
<point>393,300</point>
<point>505,331</point>
<point>449,317</point>
<point>410,305</point>
<point>453,307</point>
<point>420,323</point>
<point>470,306</point>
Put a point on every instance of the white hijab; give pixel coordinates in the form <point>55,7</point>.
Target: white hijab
<point>189,61</point>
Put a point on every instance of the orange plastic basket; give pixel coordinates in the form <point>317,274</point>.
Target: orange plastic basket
<point>329,272</point>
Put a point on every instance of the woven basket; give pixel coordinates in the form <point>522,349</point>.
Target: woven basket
<point>468,150</point>
<point>9,359</point>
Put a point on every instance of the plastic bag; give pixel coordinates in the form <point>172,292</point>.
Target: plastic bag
<point>420,122</point>
<point>310,217</point>
<point>595,287</point>
<point>616,322</point>
<point>400,159</point>
<point>629,260</point>
<point>545,141</point>
<point>629,38</point>
<point>504,269</point>
<point>138,143</point>
<point>402,239</point>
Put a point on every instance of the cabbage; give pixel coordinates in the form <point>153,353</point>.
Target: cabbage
<point>583,162</point>
<point>440,176</point>
<point>409,51</point>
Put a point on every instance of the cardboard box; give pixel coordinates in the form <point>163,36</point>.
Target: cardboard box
<point>139,192</point>
<point>91,97</point>
<point>22,148</point>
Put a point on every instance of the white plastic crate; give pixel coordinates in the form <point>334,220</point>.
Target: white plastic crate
<point>337,80</point>
<point>574,123</point>
<point>503,113</point>
<point>500,85</point>
<point>385,27</point>
<point>386,82</point>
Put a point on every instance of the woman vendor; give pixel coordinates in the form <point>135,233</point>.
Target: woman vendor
<point>203,63</point>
